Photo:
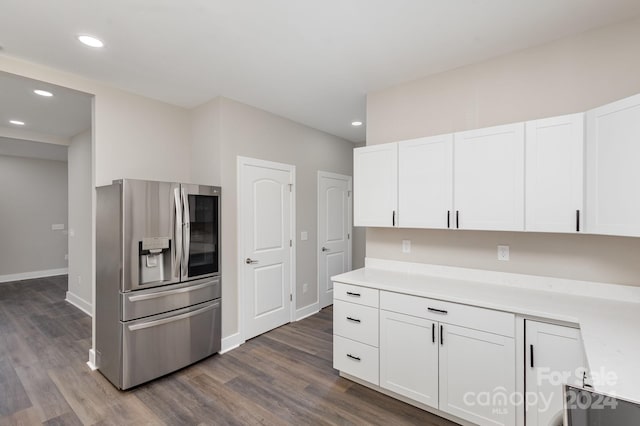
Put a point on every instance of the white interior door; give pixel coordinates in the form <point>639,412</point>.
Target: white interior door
<point>334,231</point>
<point>266,246</point>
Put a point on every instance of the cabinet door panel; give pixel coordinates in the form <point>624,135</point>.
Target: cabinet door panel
<point>425,182</point>
<point>375,185</point>
<point>477,376</point>
<point>409,357</point>
<point>489,178</point>
<point>557,354</point>
<point>554,173</point>
<point>613,132</point>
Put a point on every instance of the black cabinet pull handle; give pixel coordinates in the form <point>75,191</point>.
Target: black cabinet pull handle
<point>577,220</point>
<point>433,332</point>
<point>350,293</point>
<point>448,219</point>
<point>437,311</point>
<point>457,219</point>
<point>354,319</point>
<point>353,357</point>
<point>441,336</point>
<point>393,218</point>
<point>531,355</point>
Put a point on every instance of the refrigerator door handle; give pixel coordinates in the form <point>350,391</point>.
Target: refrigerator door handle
<point>177,233</point>
<point>186,233</point>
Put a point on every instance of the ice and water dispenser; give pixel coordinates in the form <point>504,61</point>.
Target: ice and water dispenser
<point>154,259</point>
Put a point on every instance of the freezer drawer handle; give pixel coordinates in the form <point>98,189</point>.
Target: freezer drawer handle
<point>139,297</point>
<point>354,320</point>
<point>357,358</point>
<point>173,319</point>
<point>437,311</point>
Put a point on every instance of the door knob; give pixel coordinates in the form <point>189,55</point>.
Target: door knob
<point>250,261</point>
<point>325,249</point>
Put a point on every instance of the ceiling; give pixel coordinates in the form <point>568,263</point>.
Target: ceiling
<point>309,61</point>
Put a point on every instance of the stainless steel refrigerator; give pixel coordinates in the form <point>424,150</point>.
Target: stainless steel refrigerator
<point>157,302</point>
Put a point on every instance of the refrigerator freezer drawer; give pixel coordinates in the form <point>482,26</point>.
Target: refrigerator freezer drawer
<point>144,303</point>
<point>155,346</point>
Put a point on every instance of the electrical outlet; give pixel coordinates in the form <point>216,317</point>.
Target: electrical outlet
<point>503,252</point>
<point>66,257</point>
<point>406,246</point>
<point>305,287</point>
<point>57,227</point>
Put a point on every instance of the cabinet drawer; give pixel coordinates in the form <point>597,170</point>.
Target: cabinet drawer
<point>356,359</point>
<point>356,322</point>
<point>497,322</point>
<point>356,294</point>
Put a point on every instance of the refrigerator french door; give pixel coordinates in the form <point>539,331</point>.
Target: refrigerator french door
<point>158,304</point>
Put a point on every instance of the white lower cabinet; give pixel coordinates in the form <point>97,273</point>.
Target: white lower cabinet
<point>477,375</point>
<point>355,331</point>
<point>409,357</point>
<point>466,369</point>
<point>554,357</point>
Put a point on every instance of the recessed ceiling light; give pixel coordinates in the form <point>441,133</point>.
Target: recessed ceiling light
<point>356,123</point>
<point>43,93</point>
<point>17,122</point>
<point>90,41</point>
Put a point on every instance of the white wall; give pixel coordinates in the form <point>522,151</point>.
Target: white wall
<point>80,290</point>
<point>569,75</point>
<point>33,196</point>
<point>237,129</point>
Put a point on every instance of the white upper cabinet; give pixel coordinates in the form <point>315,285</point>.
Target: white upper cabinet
<point>554,174</point>
<point>489,178</point>
<point>425,184</point>
<point>375,185</point>
<point>613,171</point>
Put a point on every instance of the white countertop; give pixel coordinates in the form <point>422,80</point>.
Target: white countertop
<point>610,328</point>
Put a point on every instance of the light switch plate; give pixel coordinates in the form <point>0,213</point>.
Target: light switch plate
<point>406,246</point>
<point>304,236</point>
<point>503,252</point>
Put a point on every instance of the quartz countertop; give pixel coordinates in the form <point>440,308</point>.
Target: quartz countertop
<point>610,328</point>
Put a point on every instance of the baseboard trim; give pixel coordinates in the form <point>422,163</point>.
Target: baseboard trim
<point>79,303</point>
<point>307,311</point>
<point>34,274</point>
<point>229,343</point>
<point>92,360</point>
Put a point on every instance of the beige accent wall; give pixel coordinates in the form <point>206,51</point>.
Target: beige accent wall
<point>569,75</point>
<point>225,129</point>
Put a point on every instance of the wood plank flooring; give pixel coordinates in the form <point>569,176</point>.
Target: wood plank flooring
<point>282,377</point>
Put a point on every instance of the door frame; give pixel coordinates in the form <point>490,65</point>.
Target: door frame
<point>247,161</point>
<point>349,179</point>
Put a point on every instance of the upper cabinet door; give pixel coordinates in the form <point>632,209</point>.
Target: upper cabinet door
<point>375,185</point>
<point>613,171</point>
<point>425,185</point>
<point>489,178</point>
<point>554,174</point>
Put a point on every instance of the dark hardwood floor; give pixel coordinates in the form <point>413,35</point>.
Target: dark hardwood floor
<point>282,377</point>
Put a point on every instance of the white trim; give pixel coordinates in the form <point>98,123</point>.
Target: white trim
<point>92,360</point>
<point>307,311</point>
<point>618,292</point>
<point>79,303</point>
<point>247,161</point>
<point>31,275</point>
<point>229,343</point>
<point>349,180</point>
